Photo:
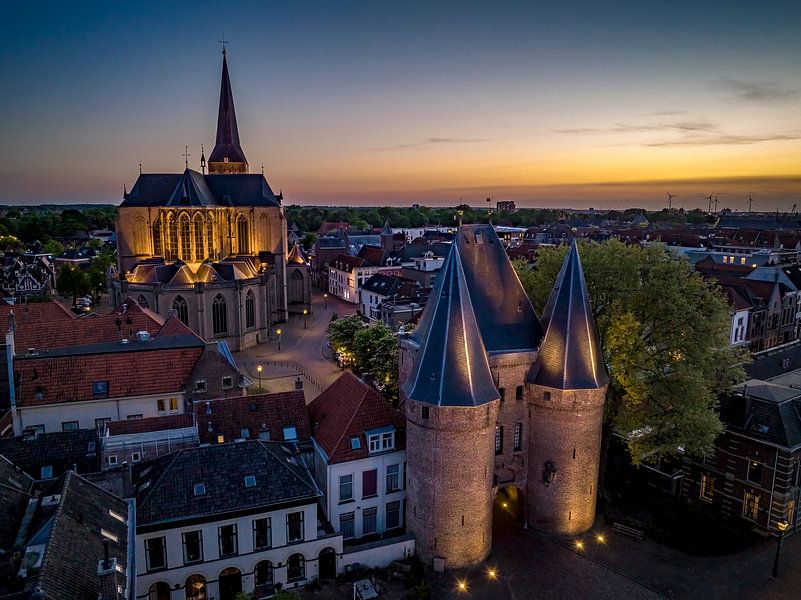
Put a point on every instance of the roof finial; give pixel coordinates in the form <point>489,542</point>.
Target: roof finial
<point>186,156</point>
<point>223,42</point>
<point>140,168</point>
<point>202,159</point>
<point>262,168</point>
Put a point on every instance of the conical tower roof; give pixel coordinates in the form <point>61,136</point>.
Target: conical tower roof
<point>387,228</point>
<point>296,255</point>
<point>570,356</point>
<point>451,367</point>
<point>227,145</point>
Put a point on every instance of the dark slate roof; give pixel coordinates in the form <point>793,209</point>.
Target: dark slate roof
<point>773,363</point>
<point>15,492</point>
<point>451,367</point>
<point>227,143</point>
<point>570,356</point>
<point>60,450</point>
<point>191,188</point>
<point>165,486</point>
<point>75,544</point>
<point>505,316</point>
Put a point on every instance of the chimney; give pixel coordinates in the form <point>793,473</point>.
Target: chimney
<point>127,479</point>
<point>110,587</point>
<point>298,383</point>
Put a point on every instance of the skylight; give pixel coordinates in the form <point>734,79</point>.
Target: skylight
<point>200,489</point>
<point>109,536</point>
<point>117,516</point>
<point>250,481</point>
<point>355,443</point>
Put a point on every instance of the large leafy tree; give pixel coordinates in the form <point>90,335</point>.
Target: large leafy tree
<point>72,281</point>
<point>664,331</point>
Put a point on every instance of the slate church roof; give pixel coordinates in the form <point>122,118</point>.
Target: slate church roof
<point>570,356</point>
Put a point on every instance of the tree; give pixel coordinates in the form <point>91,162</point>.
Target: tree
<point>53,247</point>
<point>376,353</point>
<point>308,241</point>
<point>341,336</point>
<point>664,332</point>
<point>72,281</point>
<point>10,243</point>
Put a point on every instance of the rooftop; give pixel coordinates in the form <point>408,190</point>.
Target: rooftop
<point>60,450</point>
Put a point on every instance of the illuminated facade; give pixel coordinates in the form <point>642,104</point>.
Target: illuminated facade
<point>496,397</point>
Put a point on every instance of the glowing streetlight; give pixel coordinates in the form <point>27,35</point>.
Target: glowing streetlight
<point>579,545</point>
<point>600,538</point>
<point>461,586</point>
<point>258,369</point>
<point>782,525</point>
<point>505,505</point>
<point>305,318</point>
<point>278,331</point>
<point>325,301</point>
<point>492,573</point>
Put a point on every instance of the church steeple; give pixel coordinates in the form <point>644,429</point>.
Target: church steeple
<point>227,155</point>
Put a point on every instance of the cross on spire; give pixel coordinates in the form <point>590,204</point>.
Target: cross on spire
<point>223,42</point>
<point>186,156</point>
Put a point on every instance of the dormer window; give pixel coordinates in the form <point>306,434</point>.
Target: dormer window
<point>381,440</point>
<point>250,481</point>
<point>200,386</point>
<point>290,433</point>
<point>227,382</point>
<point>355,443</point>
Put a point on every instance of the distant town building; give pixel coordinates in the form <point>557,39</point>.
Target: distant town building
<point>505,206</point>
<point>25,275</point>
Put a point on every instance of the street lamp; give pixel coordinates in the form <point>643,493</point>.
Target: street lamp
<point>305,318</point>
<point>782,525</point>
<point>259,368</point>
<point>325,301</point>
<point>278,331</point>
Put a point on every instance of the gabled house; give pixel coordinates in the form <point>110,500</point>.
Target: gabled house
<point>360,459</point>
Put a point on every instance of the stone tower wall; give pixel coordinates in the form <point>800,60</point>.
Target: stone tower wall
<point>565,430</point>
<point>450,461</point>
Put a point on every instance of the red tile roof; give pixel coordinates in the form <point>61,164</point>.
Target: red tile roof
<point>270,412</point>
<point>372,254</point>
<point>346,409</point>
<point>150,424</point>
<point>53,380</point>
<point>343,262</point>
<point>34,320</point>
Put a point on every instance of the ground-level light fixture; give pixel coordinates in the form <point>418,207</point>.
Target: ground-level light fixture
<point>600,538</point>
<point>461,585</point>
<point>492,573</point>
<point>579,545</point>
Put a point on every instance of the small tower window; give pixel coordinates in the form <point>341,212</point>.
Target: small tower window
<point>519,392</point>
<point>498,439</point>
<point>425,413</point>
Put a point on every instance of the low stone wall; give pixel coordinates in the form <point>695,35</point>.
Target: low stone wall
<point>381,553</point>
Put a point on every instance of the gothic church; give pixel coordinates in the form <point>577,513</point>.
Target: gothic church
<point>210,248</point>
<point>496,397</point>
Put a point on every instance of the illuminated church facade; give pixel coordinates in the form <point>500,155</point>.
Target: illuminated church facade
<point>210,248</point>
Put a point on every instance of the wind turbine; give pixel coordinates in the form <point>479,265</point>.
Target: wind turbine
<point>670,199</point>
<point>709,210</point>
<point>750,201</point>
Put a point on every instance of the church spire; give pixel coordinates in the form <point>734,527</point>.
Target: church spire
<point>227,155</point>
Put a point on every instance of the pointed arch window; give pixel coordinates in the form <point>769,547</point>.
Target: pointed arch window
<point>172,239</point>
<point>157,250</point>
<point>200,253</point>
<point>181,309</point>
<point>211,248</point>
<point>250,309</point>
<point>142,301</point>
<point>140,235</point>
<point>243,234</point>
<point>186,238</point>
<point>219,315</point>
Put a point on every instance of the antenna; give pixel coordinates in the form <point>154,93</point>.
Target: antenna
<point>186,156</point>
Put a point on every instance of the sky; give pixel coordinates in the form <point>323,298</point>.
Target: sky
<point>552,104</point>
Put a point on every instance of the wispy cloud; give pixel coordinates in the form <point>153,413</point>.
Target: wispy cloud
<point>579,130</point>
<point>663,113</point>
<point>757,91</point>
<point>722,139</point>
<point>428,142</point>
<point>699,125</point>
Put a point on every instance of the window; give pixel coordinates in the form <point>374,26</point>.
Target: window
<point>136,456</point>
<point>754,471</point>
<point>244,433</point>
<point>355,443</point>
<point>109,536</point>
<point>111,460</point>
<point>200,489</point>
<point>186,238</point>
<point>546,396</point>
<point>519,392</point>
<point>155,554</point>
<point>197,225</point>
<point>37,429</point>
<point>345,488</point>
<point>100,424</point>
<point>369,521</point>
<point>346,522</point>
<point>707,487</point>
<point>173,404</point>
<point>219,315</point>
<point>264,435</point>
<point>290,433</point>
<point>296,568</point>
<point>228,541</point>
<point>100,388</point>
<point>518,437</point>
<point>117,516</point>
<point>250,481</point>
<point>210,238</point>
<point>157,238</point>
<point>264,574</point>
<point>498,439</point>
<point>790,514</point>
<point>193,546</point>
<point>195,587</point>
<point>393,515</point>
<point>751,506</point>
<point>69,425</point>
<point>160,405</point>
<point>393,478</point>
<point>227,382</point>
<point>502,393</point>
<point>172,239</point>
<point>425,412</point>
<point>181,310</point>
<point>221,439</point>
<point>250,309</point>
<point>262,533</point>
<point>294,527</point>
<point>133,417</point>
<point>47,472</point>
<point>369,483</point>
<point>380,442</point>
<point>242,234</point>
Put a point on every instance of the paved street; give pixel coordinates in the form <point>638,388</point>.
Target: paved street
<point>303,351</point>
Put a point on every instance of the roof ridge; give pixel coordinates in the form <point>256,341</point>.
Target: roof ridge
<point>167,462</point>
<point>287,465</point>
<point>355,412</point>
<point>55,519</point>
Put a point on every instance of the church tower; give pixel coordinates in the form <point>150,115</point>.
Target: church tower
<point>451,409</point>
<point>227,156</point>
<point>566,389</point>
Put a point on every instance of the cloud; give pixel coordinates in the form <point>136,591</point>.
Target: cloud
<point>699,125</point>
<point>722,139</point>
<point>757,91</point>
<point>579,130</point>
<point>663,113</point>
<point>428,142</point>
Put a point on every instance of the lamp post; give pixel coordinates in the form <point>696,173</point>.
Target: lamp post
<point>278,331</point>
<point>305,318</point>
<point>782,525</point>
<point>325,301</point>
<point>258,369</point>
